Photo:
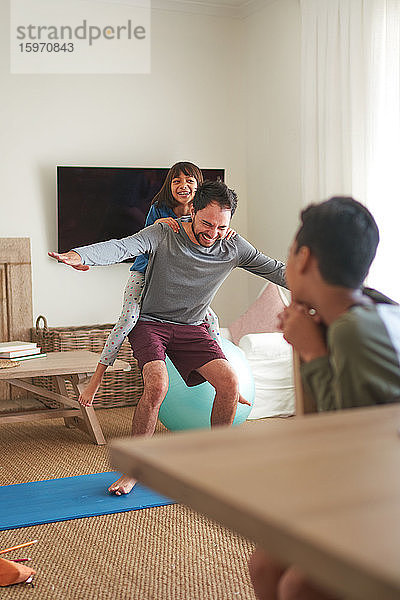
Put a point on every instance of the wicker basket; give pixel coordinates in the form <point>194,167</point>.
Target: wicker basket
<point>117,389</point>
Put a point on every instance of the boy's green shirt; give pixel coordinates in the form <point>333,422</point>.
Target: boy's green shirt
<point>363,364</point>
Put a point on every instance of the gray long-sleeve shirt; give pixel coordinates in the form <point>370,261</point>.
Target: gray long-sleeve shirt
<point>182,277</point>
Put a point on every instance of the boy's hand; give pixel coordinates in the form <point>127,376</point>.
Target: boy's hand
<point>71,258</point>
<point>303,331</point>
<point>173,223</point>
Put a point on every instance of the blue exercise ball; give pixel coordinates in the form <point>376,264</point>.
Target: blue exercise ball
<point>190,407</point>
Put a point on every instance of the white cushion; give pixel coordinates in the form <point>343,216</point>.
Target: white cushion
<point>270,359</point>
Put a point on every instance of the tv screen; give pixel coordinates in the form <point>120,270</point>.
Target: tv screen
<point>101,203</point>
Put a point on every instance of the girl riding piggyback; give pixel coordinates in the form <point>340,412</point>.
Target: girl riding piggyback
<point>172,202</point>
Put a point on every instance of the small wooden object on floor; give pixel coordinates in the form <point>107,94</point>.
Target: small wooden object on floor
<point>75,367</point>
<point>12,572</point>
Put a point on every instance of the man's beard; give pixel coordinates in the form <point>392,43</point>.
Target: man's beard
<point>194,233</point>
<point>197,236</point>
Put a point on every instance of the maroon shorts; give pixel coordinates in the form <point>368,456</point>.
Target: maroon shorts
<point>188,346</point>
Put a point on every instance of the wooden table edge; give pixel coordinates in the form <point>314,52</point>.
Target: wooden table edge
<point>342,576</point>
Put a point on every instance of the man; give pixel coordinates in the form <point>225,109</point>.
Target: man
<point>185,271</point>
<point>348,339</point>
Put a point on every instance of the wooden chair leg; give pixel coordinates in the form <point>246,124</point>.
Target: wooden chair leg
<point>304,403</point>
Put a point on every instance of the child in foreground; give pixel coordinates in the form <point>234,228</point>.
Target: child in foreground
<point>349,342</point>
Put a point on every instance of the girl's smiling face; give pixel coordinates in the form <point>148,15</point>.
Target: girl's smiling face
<point>183,188</point>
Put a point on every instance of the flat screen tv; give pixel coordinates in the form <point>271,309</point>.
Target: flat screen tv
<point>101,203</point>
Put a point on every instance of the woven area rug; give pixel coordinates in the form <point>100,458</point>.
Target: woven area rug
<point>169,552</point>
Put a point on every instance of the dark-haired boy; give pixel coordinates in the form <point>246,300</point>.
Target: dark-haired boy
<point>352,357</point>
<point>348,339</point>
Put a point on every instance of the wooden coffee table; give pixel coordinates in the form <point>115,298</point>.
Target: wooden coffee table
<point>75,366</point>
<point>320,491</point>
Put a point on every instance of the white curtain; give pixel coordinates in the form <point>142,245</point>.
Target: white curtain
<point>351,115</point>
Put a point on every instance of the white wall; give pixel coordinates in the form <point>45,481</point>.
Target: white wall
<point>187,108</point>
<point>210,76</point>
<point>272,38</point>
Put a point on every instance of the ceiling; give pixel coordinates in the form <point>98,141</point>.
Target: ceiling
<point>231,8</point>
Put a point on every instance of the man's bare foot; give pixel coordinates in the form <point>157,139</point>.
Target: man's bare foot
<point>123,485</point>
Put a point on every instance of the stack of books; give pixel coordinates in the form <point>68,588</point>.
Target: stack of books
<point>17,351</point>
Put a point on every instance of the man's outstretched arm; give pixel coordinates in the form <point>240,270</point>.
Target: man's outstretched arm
<point>113,251</point>
<point>250,259</point>
<point>71,258</point>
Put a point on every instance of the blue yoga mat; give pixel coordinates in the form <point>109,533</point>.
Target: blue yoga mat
<point>37,502</point>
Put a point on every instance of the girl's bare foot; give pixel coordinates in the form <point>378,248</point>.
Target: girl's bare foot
<point>123,485</point>
<point>87,396</point>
